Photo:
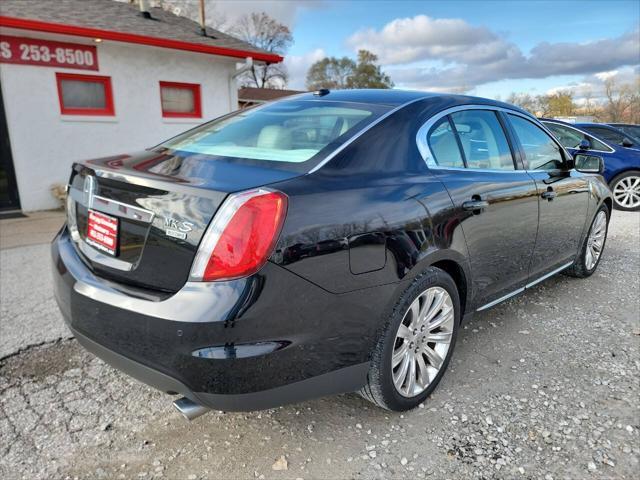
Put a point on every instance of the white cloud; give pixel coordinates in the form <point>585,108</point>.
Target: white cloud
<point>297,66</point>
<point>405,40</point>
<point>592,86</point>
<point>467,55</point>
<point>283,11</point>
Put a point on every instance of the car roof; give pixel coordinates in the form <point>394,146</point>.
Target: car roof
<point>561,122</point>
<point>592,124</point>
<point>395,97</point>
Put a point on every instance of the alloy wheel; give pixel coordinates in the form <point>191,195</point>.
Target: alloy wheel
<point>626,192</point>
<point>422,341</point>
<point>595,241</point>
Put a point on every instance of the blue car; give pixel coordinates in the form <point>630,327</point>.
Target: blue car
<point>621,163</point>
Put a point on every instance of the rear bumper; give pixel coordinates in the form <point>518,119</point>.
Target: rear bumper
<point>247,344</point>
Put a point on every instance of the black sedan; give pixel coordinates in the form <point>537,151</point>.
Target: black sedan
<point>326,243</point>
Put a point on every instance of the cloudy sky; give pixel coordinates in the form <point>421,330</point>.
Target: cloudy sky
<point>486,48</point>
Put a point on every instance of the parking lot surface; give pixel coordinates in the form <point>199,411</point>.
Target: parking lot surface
<point>545,385</point>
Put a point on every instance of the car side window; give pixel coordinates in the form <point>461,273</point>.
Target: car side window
<point>444,146</point>
<point>571,138</point>
<point>606,134</point>
<point>540,151</point>
<point>483,141</point>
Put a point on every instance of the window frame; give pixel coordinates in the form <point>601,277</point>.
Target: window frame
<point>422,139</point>
<point>446,119</point>
<point>195,88</point>
<point>109,108</point>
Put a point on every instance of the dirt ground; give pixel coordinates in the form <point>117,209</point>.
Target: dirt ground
<point>543,386</point>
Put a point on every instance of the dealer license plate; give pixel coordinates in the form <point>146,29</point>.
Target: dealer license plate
<point>102,232</point>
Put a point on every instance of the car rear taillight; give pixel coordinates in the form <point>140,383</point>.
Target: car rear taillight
<point>241,236</point>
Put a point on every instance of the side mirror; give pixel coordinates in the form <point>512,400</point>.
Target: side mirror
<point>626,142</point>
<point>588,163</point>
<point>584,144</point>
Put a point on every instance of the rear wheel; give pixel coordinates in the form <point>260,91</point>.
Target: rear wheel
<point>626,191</point>
<point>414,349</point>
<point>593,246</point>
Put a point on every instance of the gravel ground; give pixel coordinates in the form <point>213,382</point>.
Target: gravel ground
<point>543,386</point>
<point>28,310</point>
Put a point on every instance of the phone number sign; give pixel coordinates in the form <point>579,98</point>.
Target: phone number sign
<point>48,53</point>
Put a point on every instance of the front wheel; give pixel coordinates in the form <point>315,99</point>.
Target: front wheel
<point>589,257</point>
<point>626,191</point>
<point>416,344</point>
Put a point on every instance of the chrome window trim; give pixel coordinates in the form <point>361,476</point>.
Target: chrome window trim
<point>425,150</point>
<point>364,130</point>
<point>427,155</point>
<point>583,133</point>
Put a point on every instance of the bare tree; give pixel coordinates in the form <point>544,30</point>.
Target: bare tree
<point>619,100</point>
<point>524,101</point>
<point>262,31</point>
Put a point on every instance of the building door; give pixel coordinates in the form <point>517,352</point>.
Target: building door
<point>9,199</point>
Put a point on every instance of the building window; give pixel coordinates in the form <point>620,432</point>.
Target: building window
<point>84,94</point>
<point>180,100</point>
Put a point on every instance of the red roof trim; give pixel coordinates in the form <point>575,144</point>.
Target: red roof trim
<point>40,26</point>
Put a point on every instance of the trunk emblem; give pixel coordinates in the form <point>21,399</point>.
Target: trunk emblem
<point>89,190</point>
<point>177,229</point>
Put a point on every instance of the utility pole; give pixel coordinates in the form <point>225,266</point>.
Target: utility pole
<point>203,27</point>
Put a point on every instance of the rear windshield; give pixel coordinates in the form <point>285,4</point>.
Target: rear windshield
<point>294,134</point>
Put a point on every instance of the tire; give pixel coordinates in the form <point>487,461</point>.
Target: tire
<point>626,191</point>
<point>426,291</point>
<point>581,267</point>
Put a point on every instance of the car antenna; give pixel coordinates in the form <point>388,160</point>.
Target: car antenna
<point>321,92</point>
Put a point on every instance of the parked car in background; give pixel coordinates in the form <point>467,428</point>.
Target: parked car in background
<point>621,165</point>
<point>325,243</point>
<point>628,128</point>
<point>611,134</point>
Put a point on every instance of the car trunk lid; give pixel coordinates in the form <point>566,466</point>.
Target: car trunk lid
<point>159,205</point>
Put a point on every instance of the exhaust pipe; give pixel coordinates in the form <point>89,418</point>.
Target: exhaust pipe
<point>189,409</point>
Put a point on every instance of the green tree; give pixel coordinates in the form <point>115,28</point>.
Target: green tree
<point>330,72</point>
<point>368,73</point>
<point>340,73</point>
<point>561,104</point>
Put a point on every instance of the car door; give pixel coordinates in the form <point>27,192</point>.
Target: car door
<point>563,197</point>
<point>495,203</point>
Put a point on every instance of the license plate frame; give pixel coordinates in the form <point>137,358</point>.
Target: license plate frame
<point>102,232</point>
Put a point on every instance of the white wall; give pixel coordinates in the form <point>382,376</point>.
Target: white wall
<point>45,143</point>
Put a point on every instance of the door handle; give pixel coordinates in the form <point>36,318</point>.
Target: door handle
<point>475,205</point>
<point>549,194</point>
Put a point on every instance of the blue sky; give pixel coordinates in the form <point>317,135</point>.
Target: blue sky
<point>471,46</point>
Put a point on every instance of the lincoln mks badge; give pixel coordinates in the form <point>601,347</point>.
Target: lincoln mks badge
<point>177,229</point>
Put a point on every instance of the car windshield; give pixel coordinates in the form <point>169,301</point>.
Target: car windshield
<point>290,132</point>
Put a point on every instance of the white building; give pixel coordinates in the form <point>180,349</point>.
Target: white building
<point>89,78</point>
